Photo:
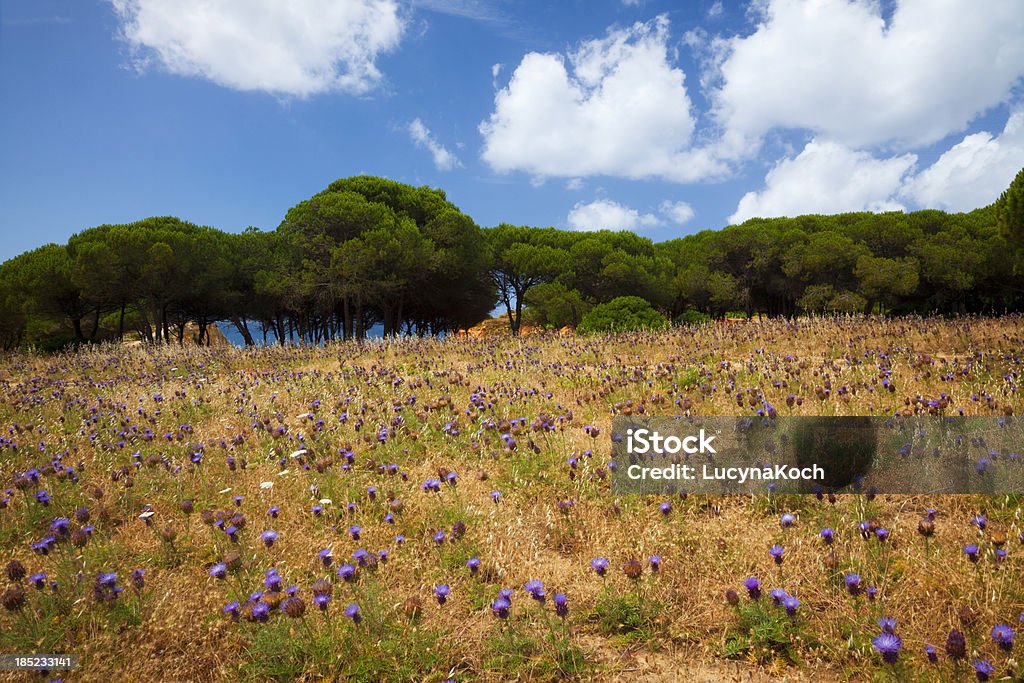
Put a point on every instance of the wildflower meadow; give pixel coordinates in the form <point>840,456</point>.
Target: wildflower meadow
<point>434,509</point>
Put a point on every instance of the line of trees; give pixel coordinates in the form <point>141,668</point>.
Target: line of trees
<point>370,251</point>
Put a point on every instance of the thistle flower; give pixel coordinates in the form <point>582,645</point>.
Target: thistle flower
<point>352,612</point>
<point>500,607</point>
<point>326,556</point>
<point>787,520</point>
<point>347,572</point>
<point>13,598</point>
<point>293,607</point>
<point>260,612</point>
<point>665,507</point>
<point>138,579</point>
<point>887,624</point>
<point>888,645</point>
<point>495,496</point>
<point>1003,635</point>
<point>269,536</point>
<point>439,537</point>
<point>536,590</point>
<point>655,562</point>
<point>474,564</point>
<point>274,511</point>
<point>272,580</point>
<point>929,652</point>
<point>956,645</point>
<point>15,571</point>
<point>561,605</point>
<point>827,535</point>
<point>777,551</point>
<point>633,568</point>
<point>790,604</point>
<point>38,580</point>
<point>441,592</point>
<point>233,559</point>
<point>971,550</point>
<point>852,582</point>
<point>231,608</point>
<point>600,565</point>
<point>983,669</point>
<point>354,531</point>
<point>219,570</point>
<point>753,587</point>
<point>777,595</point>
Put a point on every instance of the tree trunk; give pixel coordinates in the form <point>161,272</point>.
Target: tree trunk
<point>242,325</point>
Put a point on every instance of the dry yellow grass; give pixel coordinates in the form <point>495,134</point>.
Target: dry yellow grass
<point>684,629</point>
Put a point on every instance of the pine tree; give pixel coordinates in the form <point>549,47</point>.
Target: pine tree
<point>1010,211</point>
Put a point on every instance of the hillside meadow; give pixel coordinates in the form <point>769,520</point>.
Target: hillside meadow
<point>424,509</point>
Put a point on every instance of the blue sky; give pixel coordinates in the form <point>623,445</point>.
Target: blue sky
<point>661,117</point>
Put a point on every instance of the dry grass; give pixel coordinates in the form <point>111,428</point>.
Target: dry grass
<point>668,625</point>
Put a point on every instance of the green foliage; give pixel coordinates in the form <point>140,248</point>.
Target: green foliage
<point>625,614</point>
<point>554,305</point>
<point>692,316</point>
<point>762,632</point>
<point>368,251</point>
<point>622,314</point>
<point>511,651</point>
<point>1009,210</point>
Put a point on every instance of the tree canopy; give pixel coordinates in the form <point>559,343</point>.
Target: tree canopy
<point>370,251</point>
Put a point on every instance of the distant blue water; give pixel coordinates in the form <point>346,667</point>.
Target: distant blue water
<point>235,337</point>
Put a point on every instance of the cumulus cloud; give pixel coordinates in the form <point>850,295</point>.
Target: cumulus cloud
<point>424,139</point>
<point>840,70</point>
<point>973,172</point>
<point>615,106</point>
<point>828,177</point>
<point>604,214</point>
<point>677,212</point>
<point>284,47</point>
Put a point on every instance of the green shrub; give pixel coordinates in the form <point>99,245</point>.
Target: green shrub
<point>624,314</point>
<point>692,316</point>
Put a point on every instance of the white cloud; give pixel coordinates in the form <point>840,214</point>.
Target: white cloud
<point>715,10</point>
<point>616,106</point>
<point>424,139</point>
<point>974,172</point>
<point>574,184</point>
<point>284,47</point>
<point>678,212</point>
<point>604,214</point>
<point>827,177</point>
<point>836,68</point>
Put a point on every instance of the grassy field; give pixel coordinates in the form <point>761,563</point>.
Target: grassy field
<point>390,469</point>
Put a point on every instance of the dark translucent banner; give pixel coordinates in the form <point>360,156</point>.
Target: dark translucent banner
<point>803,454</point>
